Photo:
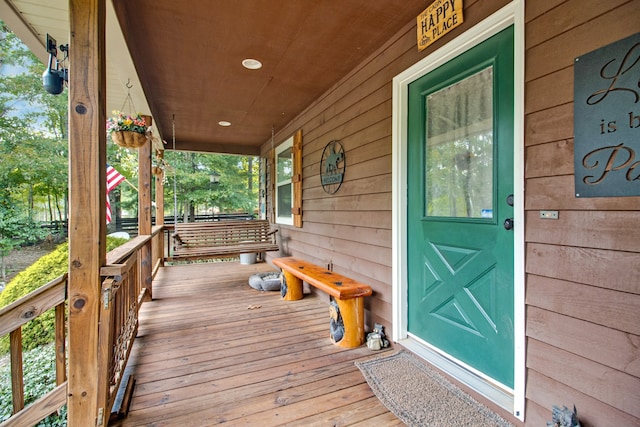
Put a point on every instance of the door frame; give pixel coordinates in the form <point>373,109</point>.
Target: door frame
<point>511,400</point>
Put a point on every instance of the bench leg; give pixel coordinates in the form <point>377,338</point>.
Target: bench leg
<point>291,289</point>
<point>347,322</point>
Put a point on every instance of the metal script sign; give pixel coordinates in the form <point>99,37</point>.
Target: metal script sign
<point>606,120</point>
<point>332,167</point>
<point>437,20</point>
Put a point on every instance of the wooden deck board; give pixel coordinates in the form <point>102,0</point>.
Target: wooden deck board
<point>363,410</point>
<point>211,350</point>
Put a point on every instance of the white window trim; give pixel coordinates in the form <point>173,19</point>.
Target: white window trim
<point>512,14</point>
<point>288,144</point>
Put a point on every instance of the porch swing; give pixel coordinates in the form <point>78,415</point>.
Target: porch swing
<point>229,238</point>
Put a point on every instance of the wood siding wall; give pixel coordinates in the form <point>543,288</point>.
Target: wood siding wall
<point>351,229</point>
<point>582,271</point>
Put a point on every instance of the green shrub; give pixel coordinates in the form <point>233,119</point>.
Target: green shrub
<point>38,359</point>
<point>40,330</point>
<point>39,379</point>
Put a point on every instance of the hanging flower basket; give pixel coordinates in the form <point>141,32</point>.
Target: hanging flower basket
<point>156,170</point>
<point>128,139</point>
<point>128,131</point>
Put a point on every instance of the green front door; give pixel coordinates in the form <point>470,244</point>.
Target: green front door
<point>460,208</point>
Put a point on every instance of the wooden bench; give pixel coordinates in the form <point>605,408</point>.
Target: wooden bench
<point>346,297</point>
<point>194,240</point>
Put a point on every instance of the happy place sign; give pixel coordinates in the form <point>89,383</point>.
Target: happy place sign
<point>437,20</point>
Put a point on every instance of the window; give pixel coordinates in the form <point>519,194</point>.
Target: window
<point>459,149</point>
<point>284,184</point>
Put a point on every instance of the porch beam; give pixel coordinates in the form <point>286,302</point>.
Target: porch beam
<point>237,149</point>
<point>87,222</point>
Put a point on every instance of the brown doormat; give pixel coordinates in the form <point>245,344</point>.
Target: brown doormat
<point>420,396</point>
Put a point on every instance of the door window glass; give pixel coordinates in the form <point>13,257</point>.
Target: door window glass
<point>459,149</point>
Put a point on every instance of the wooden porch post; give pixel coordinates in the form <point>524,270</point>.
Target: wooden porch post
<point>144,212</point>
<point>160,198</point>
<point>160,215</point>
<point>87,222</point>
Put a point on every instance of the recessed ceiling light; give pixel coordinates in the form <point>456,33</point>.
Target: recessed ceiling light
<point>251,64</point>
<point>224,123</point>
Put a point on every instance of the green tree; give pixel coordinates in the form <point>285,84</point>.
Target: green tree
<point>33,135</point>
<point>237,190</point>
<point>33,146</point>
<point>34,149</point>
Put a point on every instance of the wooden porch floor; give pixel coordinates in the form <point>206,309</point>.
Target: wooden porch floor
<point>211,350</point>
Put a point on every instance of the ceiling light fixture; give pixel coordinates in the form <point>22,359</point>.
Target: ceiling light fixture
<point>224,123</point>
<point>251,64</point>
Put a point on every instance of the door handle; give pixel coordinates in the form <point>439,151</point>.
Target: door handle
<point>508,223</point>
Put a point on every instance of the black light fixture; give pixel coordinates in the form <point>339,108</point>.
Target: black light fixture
<point>214,178</point>
<point>53,79</point>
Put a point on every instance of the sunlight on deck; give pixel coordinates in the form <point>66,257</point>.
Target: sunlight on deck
<point>211,350</point>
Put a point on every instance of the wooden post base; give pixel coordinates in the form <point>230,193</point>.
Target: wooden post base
<point>292,287</point>
<point>350,316</point>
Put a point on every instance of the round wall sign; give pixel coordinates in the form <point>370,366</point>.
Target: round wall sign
<point>332,167</point>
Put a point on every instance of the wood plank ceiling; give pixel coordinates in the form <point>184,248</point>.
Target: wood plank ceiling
<point>189,59</point>
<point>185,58</point>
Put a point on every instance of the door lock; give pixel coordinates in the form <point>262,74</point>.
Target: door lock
<point>508,223</point>
<point>510,200</point>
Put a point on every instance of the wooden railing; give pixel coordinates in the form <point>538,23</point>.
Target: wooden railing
<point>123,292</point>
<point>121,298</point>
<point>12,317</point>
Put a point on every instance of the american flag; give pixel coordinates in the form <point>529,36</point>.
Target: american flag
<point>114,178</point>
